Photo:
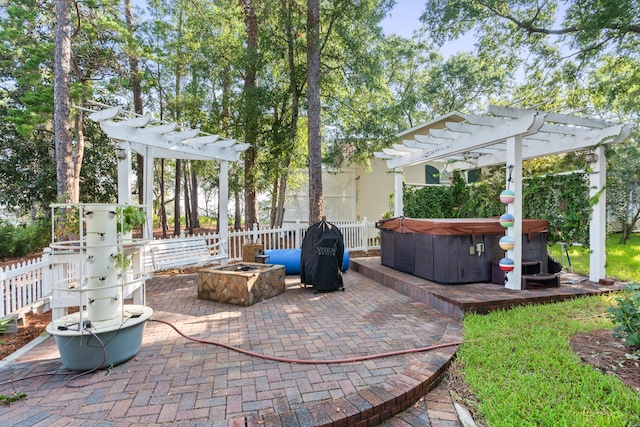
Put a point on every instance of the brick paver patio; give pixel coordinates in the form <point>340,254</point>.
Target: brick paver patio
<point>180,382</point>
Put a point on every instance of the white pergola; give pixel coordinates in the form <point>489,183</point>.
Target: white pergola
<point>507,136</point>
<point>165,141</point>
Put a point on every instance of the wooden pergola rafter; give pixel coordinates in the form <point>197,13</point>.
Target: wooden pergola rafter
<point>169,141</point>
<point>507,136</point>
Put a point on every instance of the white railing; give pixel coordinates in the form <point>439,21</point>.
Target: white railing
<point>25,284</point>
<point>28,284</point>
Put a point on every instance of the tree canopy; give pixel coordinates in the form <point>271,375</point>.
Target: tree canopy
<point>241,69</point>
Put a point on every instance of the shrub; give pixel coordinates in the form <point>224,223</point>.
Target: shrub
<point>21,240</point>
<point>626,315</point>
<point>7,236</point>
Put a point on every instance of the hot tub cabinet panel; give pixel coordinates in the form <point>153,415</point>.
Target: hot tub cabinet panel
<point>422,255</point>
<point>450,259</point>
<point>404,260</point>
<point>534,247</point>
<point>451,251</point>
<point>388,240</point>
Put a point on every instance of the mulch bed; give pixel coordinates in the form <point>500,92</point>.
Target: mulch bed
<point>608,354</point>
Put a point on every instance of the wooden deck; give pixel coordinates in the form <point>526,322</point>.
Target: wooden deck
<point>455,300</point>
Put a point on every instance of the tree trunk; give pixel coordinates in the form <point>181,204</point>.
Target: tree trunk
<point>274,201</point>
<point>295,91</point>
<point>78,153</point>
<point>163,210</point>
<point>194,199</point>
<point>62,104</point>
<point>237,223</point>
<point>251,115</point>
<point>178,115</point>
<point>282,193</point>
<point>187,203</point>
<point>225,125</point>
<point>314,135</point>
<point>176,201</point>
<point>225,114</point>
<point>136,88</point>
<point>628,227</point>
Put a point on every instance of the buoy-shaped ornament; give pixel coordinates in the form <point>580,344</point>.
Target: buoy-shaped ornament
<point>507,197</point>
<point>506,264</point>
<point>506,243</point>
<point>506,220</point>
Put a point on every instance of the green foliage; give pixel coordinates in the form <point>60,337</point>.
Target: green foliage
<point>483,199</point>
<point>4,324</point>
<point>8,400</point>
<point>129,217</point>
<point>626,315</point>
<point>563,200</point>
<point>21,240</point>
<point>623,192</point>
<point>428,202</point>
<point>521,367</point>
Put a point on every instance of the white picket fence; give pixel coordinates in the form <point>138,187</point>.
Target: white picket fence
<point>28,284</point>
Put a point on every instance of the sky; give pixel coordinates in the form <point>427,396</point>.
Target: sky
<point>404,18</point>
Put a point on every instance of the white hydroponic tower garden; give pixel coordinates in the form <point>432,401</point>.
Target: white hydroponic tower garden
<point>95,274</point>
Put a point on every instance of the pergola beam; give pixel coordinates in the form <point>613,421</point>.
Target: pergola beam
<point>163,141</point>
<point>468,142</point>
<point>558,145</point>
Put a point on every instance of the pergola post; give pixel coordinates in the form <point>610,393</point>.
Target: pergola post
<point>223,214</point>
<point>398,204</point>
<point>597,226</point>
<point>147,197</point>
<point>123,154</point>
<point>514,182</point>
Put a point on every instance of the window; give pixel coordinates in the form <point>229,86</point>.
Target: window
<point>473,175</point>
<point>433,175</point>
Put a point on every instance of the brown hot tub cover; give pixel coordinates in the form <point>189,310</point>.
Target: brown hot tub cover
<point>458,226</point>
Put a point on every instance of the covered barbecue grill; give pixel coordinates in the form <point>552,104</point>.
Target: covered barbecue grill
<point>321,257</point>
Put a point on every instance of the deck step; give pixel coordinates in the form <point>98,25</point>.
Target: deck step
<point>540,279</point>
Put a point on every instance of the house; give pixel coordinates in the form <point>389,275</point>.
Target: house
<point>374,186</point>
<point>355,192</point>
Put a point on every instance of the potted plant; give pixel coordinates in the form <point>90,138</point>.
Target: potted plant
<point>129,218</point>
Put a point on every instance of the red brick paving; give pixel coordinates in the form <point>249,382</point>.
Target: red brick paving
<point>173,380</point>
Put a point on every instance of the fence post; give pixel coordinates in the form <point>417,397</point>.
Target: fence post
<point>298,235</point>
<point>47,272</point>
<point>3,287</point>
<point>254,236</point>
<point>365,234</point>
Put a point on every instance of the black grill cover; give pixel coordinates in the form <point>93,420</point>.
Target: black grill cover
<point>321,257</point>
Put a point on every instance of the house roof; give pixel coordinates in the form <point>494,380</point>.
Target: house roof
<point>437,122</point>
<point>480,140</point>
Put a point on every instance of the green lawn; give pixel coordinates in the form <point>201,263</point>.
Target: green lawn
<point>520,365</point>
<point>623,261</point>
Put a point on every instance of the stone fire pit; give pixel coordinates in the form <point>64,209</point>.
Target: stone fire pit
<point>241,284</point>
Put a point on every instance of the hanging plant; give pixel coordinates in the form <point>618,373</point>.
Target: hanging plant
<point>129,217</point>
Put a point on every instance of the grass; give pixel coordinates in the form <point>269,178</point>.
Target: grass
<point>520,365</point>
<point>522,369</point>
<point>623,261</point>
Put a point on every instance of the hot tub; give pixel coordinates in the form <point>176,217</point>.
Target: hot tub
<point>454,250</point>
